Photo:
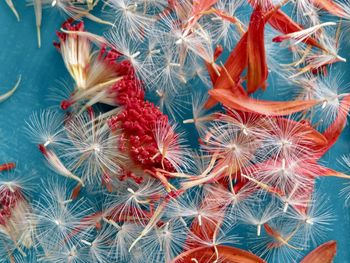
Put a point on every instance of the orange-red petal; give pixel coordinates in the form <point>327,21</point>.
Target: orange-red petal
<point>331,7</point>
<point>325,253</point>
<point>235,64</point>
<point>228,254</point>
<point>271,108</point>
<point>257,67</point>
<point>233,68</point>
<point>202,5</point>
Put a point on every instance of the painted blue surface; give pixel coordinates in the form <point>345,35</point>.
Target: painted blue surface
<point>40,70</point>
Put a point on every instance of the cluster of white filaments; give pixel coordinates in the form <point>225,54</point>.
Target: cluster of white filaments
<point>129,185</point>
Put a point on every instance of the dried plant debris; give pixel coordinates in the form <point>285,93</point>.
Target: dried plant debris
<point>13,9</point>
<point>9,93</point>
<point>170,137</point>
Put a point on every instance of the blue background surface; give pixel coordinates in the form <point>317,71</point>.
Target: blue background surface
<point>42,68</point>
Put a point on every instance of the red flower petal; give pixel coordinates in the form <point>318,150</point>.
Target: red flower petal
<point>235,65</point>
<point>325,171</point>
<point>201,5</point>
<point>305,127</point>
<point>233,68</point>
<point>257,67</point>
<point>247,104</point>
<point>207,254</point>
<point>331,7</point>
<point>7,166</point>
<point>325,253</point>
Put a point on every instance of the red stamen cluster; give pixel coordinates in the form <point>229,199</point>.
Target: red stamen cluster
<point>138,121</point>
<point>69,26</point>
<point>8,201</point>
<point>138,118</point>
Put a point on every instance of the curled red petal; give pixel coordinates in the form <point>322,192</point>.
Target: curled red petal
<point>271,108</point>
<point>325,171</point>
<point>235,65</point>
<point>232,70</point>
<point>228,254</point>
<point>201,5</point>
<point>257,67</point>
<point>331,7</point>
<point>7,166</point>
<point>325,253</point>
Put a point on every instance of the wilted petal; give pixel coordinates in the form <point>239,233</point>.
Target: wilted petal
<point>325,253</point>
<point>228,254</point>
<point>257,67</point>
<point>232,70</point>
<point>331,7</point>
<point>202,5</point>
<point>247,104</point>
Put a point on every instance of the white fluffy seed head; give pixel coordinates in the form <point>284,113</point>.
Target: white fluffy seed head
<point>330,89</point>
<point>192,206</point>
<point>165,242</point>
<point>258,213</point>
<point>173,103</point>
<point>285,138</point>
<point>132,17</point>
<point>345,192</point>
<point>201,117</point>
<point>45,127</point>
<point>91,149</point>
<point>223,31</point>
<point>232,146</point>
<point>57,216</point>
<point>280,243</point>
<point>133,52</point>
<point>129,204</point>
<point>316,221</point>
<point>172,146</point>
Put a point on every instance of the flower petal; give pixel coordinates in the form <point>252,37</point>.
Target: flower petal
<point>202,5</point>
<point>257,67</point>
<point>247,104</point>
<point>325,253</point>
<point>235,65</point>
<point>331,7</point>
<point>207,254</point>
<point>232,70</point>
<point>325,171</point>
